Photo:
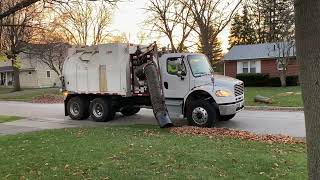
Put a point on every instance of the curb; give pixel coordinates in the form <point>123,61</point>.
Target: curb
<point>273,108</point>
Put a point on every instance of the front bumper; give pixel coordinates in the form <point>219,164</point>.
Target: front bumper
<point>231,108</point>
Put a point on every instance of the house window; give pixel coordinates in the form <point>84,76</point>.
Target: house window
<point>245,67</point>
<point>248,66</point>
<point>48,74</point>
<point>253,67</point>
<point>280,65</point>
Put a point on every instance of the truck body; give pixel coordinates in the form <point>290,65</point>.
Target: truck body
<point>110,75</point>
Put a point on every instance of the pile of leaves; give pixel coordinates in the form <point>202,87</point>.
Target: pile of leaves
<point>48,99</point>
<point>225,132</point>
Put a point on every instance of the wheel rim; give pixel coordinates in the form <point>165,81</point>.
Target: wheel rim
<point>98,110</point>
<point>200,116</point>
<point>75,109</point>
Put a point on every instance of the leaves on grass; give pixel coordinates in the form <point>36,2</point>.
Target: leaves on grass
<point>225,132</point>
<point>151,132</point>
<point>48,99</point>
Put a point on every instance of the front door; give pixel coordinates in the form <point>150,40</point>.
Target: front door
<point>175,85</point>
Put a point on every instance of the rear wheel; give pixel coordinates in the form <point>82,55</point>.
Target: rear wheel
<point>227,117</point>
<point>78,108</point>
<point>101,110</point>
<point>202,114</point>
<point>129,111</point>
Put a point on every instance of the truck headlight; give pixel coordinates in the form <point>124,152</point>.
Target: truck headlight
<point>223,93</point>
<point>65,93</point>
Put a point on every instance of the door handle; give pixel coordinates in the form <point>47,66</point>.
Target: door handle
<point>166,85</point>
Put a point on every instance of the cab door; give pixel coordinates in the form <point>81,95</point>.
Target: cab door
<point>176,78</point>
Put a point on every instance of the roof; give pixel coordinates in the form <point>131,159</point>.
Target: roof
<point>10,69</point>
<point>256,51</point>
<point>6,69</point>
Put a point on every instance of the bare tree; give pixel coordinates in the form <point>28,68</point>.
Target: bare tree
<point>307,13</point>
<point>285,52</point>
<point>171,18</point>
<point>16,30</point>
<point>83,22</point>
<point>51,55</point>
<point>19,5</point>
<point>120,38</point>
<point>211,17</point>
<point>285,45</point>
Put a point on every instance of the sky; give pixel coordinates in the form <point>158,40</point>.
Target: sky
<point>129,16</point>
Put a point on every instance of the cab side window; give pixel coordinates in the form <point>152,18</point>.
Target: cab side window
<point>174,65</point>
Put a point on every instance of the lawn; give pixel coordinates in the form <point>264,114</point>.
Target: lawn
<point>139,152</point>
<point>283,97</point>
<point>4,119</point>
<point>6,94</point>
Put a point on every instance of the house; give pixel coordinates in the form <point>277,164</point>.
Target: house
<point>33,73</point>
<point>258,58</point>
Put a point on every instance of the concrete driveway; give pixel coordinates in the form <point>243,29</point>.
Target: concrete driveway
<point>51,116</point>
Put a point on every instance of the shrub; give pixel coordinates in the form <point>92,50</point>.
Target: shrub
<point>263,80</point>
<point>254,79</point>
<point>274,82</point>
<point>293,81</point>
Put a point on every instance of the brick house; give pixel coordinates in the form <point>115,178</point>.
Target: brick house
<point>257,58</point>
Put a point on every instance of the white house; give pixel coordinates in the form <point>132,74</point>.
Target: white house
<point>33,74</point>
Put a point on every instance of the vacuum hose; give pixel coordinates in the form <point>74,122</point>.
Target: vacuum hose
<point>157,98</point>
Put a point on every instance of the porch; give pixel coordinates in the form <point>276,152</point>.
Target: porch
<point>6,76</point>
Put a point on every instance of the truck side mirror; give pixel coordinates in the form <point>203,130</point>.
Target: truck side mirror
<point>179,61</point>
<point>181,74</point>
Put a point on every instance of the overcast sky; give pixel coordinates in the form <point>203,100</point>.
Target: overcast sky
<point>129,17</point>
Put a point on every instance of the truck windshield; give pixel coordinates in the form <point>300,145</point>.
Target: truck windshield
<point>200,65</point>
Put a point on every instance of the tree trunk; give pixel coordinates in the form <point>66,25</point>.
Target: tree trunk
<point>16,77</point>
<point>308,54</point>
<point>283,78</point>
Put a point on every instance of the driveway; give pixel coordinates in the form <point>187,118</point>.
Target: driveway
<point>51,116</point>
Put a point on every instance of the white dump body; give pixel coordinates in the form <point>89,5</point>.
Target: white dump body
<point>102,69</point>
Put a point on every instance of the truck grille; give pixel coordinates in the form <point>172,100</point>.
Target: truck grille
<point>239,89</point>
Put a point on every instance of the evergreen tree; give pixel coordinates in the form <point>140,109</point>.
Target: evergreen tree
<point>242,29</point>
<point>266,16</point>
<point>235,31</point>
<point>212,49</point>
<point>217,50</point>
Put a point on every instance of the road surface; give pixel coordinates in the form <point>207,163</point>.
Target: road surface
<point>51,116</point>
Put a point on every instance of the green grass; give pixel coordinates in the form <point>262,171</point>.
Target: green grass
<point>130,153</point>
<point>4,119</point>
<point>279,95</point>
<point>6,94</point>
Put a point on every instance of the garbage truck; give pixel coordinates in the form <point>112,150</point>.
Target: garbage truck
<point>101,80</point>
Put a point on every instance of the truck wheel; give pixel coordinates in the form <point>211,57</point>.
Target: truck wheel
<point>202,114</point>
<point>227,117</point>
<point>78,108</point>
<point>101,110</point>
<point>130,111</point>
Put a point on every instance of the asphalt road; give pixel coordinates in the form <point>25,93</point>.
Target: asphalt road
<point>51,116</point>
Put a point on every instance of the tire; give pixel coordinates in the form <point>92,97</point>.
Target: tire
<point>101,110</point>
<point>202,114</point>
<point>227,117</point>
<point>129,111</point>
<point>78,108</point>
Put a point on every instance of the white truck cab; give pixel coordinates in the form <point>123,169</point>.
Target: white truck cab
<point>102,80</point>
<point>188,81</point>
